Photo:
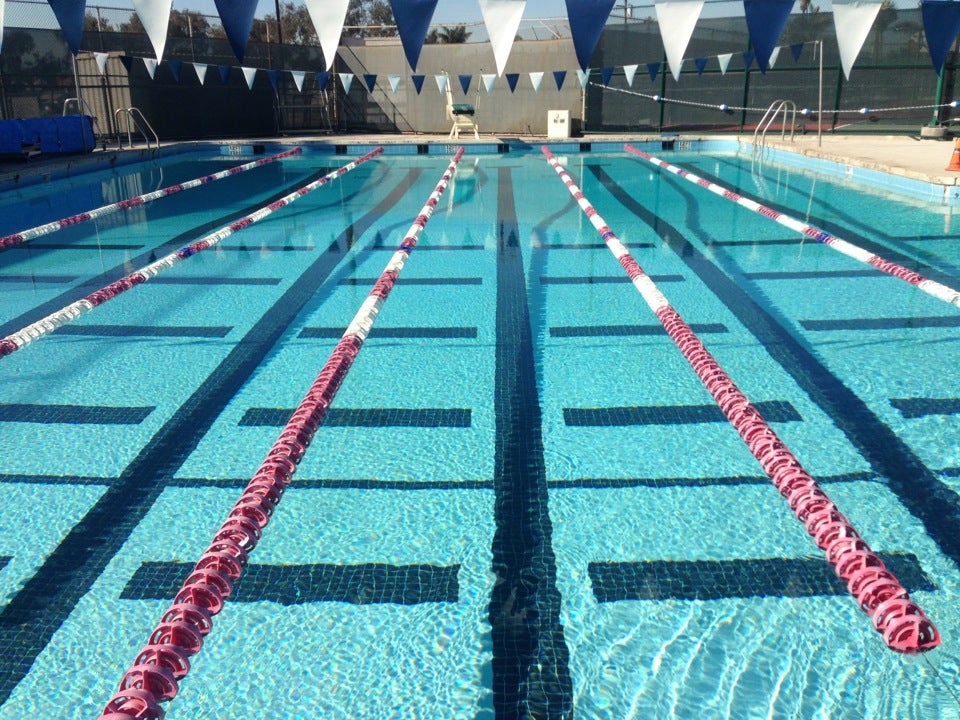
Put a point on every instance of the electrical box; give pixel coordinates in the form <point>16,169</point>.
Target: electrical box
<point>558,123</point>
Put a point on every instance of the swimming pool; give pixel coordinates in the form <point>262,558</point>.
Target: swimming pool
<point>523,500</point>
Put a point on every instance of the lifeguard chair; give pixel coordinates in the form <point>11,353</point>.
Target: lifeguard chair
<point>461,114</point>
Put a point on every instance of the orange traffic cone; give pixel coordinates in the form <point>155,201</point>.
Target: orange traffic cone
<point>955,159</point>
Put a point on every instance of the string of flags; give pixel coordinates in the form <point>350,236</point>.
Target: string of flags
<point>677,20</point>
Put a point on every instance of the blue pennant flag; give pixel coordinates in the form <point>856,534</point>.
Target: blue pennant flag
<point>795,50</point>
<point>559,76</point>
<point>175,67</point>
<point>701,63</point>
<point>224,73</point>
<point>370,81</point>
<point>512,79</point>
<point>69,14</point>
<point>587,18</point>
<point>748,56</point>
<point>465,82</point>
<point>237,19</point>
<point>418,82</point>
<point>765,21</point>
<point>322,79</point>
<point>605,75</point>
<point>941,23</point>
<point>274,77</point>
<point>413,19</point>
<point>127,62</point>
<point>653,69</point>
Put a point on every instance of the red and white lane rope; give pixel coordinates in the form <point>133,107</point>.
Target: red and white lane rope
<point>51,322</point>
<point>164,661</point>
<point>931,287</point>
<point>903,624</point>
<point>47,228</point>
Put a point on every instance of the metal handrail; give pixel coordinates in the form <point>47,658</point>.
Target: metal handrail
<point>776,107</point>
<point>134,117</point>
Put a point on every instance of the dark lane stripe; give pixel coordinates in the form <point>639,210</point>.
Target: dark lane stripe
<point>3,561</point>
<point>921,492</point>
<point>531,674</point>
<point>208,331</point>
<point>799,240</point>
<point>365,417</point>
<point>31,279</point>
<point>39,608</point>
<point>73,246</point>
<point>602,279</point>
<point>720,579</point>
<point>271,248</point>
<point>73,414</point>
<point>586,246</point>
<point>405,333</point>
<point>299,584</point>
<point>426,247</point>
<point>627,330</point>
<point>416,281</point>
<point>771,410</point>
<point>881,323</point>
<point>599,483</point>
<point>814,275</point>
<point>921,407</point>
<point>191,280</point>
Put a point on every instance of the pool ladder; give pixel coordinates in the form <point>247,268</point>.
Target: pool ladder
<point>777,107</point>
<point>134,120</point>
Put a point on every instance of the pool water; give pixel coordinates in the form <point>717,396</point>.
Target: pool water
<point>523,502</point>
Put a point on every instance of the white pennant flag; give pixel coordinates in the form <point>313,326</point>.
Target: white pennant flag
<point>584,77</point>
<point>441,83</point>
<point>249,74</point>
<point>394,82</point>
<point>724,61</point>
<point>328,17</point>
<point>774,54</point>
<point>856,17</point>
<point>154,16</point>
<point>502,18</point>
<point>346,79</point>
<point>535,79</point>
<point>201,70</point>
<point>100,57</point>
<point>630,71</point>
<point>677,19</point>
<point>151,66</point>
<point>488,79</point>
<point>298,76</point>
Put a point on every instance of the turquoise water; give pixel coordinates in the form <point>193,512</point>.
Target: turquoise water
<point>525,503</point>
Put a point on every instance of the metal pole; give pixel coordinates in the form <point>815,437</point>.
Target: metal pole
<point>820,101</point>
<point>76,82</point>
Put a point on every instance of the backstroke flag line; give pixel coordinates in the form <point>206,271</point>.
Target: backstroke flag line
<point>502,18</point>
<point>328,17</point>
<point>677,20</point>
<point>853,20</point>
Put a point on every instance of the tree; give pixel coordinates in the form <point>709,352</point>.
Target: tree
<point>94,23</point>
<point>370,18</point>
<point>455,35</point>
<point>885,18</point>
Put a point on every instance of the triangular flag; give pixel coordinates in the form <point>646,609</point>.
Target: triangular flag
<point>536,78</point>
<point>151,65</point>
<point>201,70</point>
<point>249,74</point>
<point>155,17</point>
<point>346,79</point>
<point>224,73</point>
<point>559,76</point>
<point>773,57</point>
<point>237,19</point>
<point>653,69</point>
<point>856,17</point>
<point>630,71</point>
<point>370,81</point>
<point>795,50</point>
<point>765,21</point>
<point>394,83</point>
<point>941,23</point>
<point>724,61</point>
<point>587,18</point>
<point>701,63</point>
<point>298,76</point>
<point>175,66</point>
<point>502,18</point>
<point>413,19</point>
<point>605,74</point>
<point>127,62</point>
<point>69,14</point>
<point>488,80</point>
<point>274,77</point>
<point>100,57</point>
<point>677,20</point>
<point>512,79</point>
<point>748,56</point>
<point>584,77</point>
<point>328,17</point>
<point>441,81</point>
<point>418,82</point>
<point>322,79</point>
<point>465,82</point>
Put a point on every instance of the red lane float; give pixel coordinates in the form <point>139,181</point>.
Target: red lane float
<point>879,594</point>
<point>44,326</point>
<point>931,287</point>
<point>160,666</point>
<point>47,228</point>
